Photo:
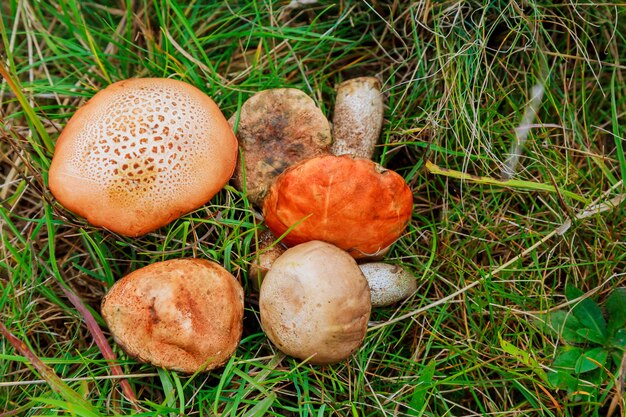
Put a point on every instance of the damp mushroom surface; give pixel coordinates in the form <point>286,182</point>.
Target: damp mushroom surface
<point>183,314</point>
<point>141,153</point>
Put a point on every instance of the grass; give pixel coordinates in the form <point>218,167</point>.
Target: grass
<point>490,257</point>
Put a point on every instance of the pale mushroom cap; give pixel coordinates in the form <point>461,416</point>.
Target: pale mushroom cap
<point>315,303</point>
<point>141,153</point>
<point>183,314</point>
<point>353,203</point>
<point>277,128</point>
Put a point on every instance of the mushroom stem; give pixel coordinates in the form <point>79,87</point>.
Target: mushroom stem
<point>358,117</point>
<point>388,283</point>
<point>267,252</point>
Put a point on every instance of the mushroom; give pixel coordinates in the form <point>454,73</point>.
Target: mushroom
<point>358,117</point>
<point>141,153</point>
<point>315,303</point>
<point>268,250</point>
<point>276,128</point>
<point>388,283</point>
<point>182,314</point>
<point>352,203</point>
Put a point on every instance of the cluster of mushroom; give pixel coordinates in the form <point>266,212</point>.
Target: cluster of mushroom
<point>143,152</point>
<point>332,205</point>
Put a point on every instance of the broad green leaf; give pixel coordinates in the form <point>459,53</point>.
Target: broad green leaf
<point>590,360</point>
<point>618,340</point>
<point>565,325</point>
<point>616,310</point>
<point>563,380</point>
<point>587,312</point>
<point>566,358</point>
<point>418,398</point>
<point>591,335</point>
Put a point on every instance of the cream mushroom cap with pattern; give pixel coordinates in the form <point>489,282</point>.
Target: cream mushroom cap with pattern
<point>141,153</point>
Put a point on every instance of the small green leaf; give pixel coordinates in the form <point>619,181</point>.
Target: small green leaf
<point>618,340</point>
<point>566,358</point>
<point>590,360</point>
<point>587,312</point>
<point>424,383</point>
<point>564,324</point>
<point>563,380</point>
<point>616,310</point>
<point>591,335</point>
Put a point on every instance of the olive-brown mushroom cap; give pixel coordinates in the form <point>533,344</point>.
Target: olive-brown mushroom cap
<point>182,314</point>
<point>315,303</point>
<point>352,203</point>
<point>141,153</point>
<point>276,129</point>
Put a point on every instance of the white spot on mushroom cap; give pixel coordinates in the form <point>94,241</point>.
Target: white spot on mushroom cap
<point>164,301</point>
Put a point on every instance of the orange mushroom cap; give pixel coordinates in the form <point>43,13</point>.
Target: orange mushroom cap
<point>353,203</point>
<point>141,153</point>
<point>182,314</point>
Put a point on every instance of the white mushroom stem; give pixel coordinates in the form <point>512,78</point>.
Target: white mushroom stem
<point>358,117</point>
<point>388,283</point>
<point>267,252</point>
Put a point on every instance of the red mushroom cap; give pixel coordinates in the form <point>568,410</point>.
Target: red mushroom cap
<point>353,203</point>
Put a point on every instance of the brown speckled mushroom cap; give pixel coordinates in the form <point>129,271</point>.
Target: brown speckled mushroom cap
<point>277,128</point>
<point>141,153</point>
<point>315,303</point>
<point>182,314</point>
<point>353,203</point>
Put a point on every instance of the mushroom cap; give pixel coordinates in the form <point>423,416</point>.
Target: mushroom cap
<point>141,153</point>
<point>315,303</point>
<point>277,128</point>
<point>352,203</point>
<point>182,314</point>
